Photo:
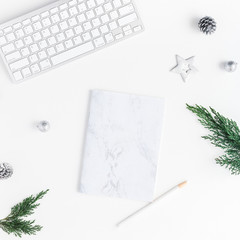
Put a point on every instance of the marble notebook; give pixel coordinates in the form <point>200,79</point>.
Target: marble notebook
<point>122,145</point>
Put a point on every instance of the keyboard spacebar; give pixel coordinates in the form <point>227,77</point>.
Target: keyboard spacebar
<point>72,53</point>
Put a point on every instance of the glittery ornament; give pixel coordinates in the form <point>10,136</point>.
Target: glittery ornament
<point>43,126</point>
<point>230,66</point>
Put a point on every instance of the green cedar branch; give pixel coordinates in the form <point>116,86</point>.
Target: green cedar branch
<point>14,222</point>
<point>225,134</point>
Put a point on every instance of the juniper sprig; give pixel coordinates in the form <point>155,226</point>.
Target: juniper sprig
<point>225,134</point>
<point>16,224</point>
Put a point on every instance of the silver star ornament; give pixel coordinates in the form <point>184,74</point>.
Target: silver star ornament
<point>184,67</point>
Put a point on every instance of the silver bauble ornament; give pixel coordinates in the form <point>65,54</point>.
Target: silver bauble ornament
<point>230,66</point>
<point>43,126</point>
<point>6,171</point>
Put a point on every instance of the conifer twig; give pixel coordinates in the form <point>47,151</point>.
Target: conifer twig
<point>225,134</point>
<point>14,222</point>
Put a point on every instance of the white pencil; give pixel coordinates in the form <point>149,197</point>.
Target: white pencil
<point>180,185</point>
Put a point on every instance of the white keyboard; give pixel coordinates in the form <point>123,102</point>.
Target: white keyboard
<point>63,31</point>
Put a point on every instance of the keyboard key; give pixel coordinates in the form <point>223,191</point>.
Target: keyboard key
<point>34,48</point>
<point>82,7</point>
<point>137,29</point>
<point>72,53</point>
<point>2,41</point>
<point>86,36</point>
<point>28,40</point>
<point>69,33</point>
<point>46,33</point>
<point>99,11</point>
<point>72,3</point>
<point>73,11</point>
<point>33,58</point>
<point>19,44</point>
<point>99,2</point>
<point>7,29</point>
<point>17,25</point>
<point>87,26</point>
<point>128,32</point>
<point>37,26</point>
<point>104,29</point>
<point>105,18</point>
<point>81,18</point>
<point>25,52</point>
<point>90,14</point>
<point>45,14</point>
<point>8,48</point>
<point>28,30</point>
<point>91,4</point>
<point>36,18</point>
<point>72,22</point>
<point>19,33</point>
<point>99,42</point>
<point>69,44</point>
<point>108,7</point>
<point>126,10</point>
<point>18,76</point>
<point>117,3</point>
<point>63,6</point>
<point>128,19</point>
<point>96,22</point>
<point>52,40</point>
<point>26,22</point>
<point>78,29</point>
<point>95,33</point>
<point>35,68</point>
<point>109,37</point>
<point>55,18</point>
<point>113,25</point>
<point>42,55</point>
<point>119,36</point>
<point>126,1</point>
<point>63,25</point>
<point>51,51</point>
<point>19,64</point>
<point>64,15</point>
<point>45,64</point>
<point>10,37</point>
<point>37,37</point>
<point>55,29</point>
<point>26,72</point>
<point>77,40</point>
<point>54,10</point>
<point>114,15</point>
<point>60,47</point>
<point>43,44</point>
<point>13,56</point>
<point>60,37</point>
<point>46,22</point>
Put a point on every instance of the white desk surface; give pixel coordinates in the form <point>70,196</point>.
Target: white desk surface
<point>207,208</point>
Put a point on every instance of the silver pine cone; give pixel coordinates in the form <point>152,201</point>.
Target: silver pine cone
<point>207,25</point>
<point>6,171</point>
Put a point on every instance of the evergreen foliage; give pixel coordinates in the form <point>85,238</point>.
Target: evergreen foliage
<point>16,224</point>
<point>225,134</point>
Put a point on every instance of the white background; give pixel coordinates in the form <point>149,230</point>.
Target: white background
<point>207,208</point>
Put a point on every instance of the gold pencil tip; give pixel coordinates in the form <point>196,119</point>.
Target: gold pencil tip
<point>182,184</point>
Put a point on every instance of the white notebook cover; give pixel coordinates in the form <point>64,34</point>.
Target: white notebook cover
<point>122,145</point>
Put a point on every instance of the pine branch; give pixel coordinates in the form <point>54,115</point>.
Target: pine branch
<point>225,134</point>
<point>14,222</point>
